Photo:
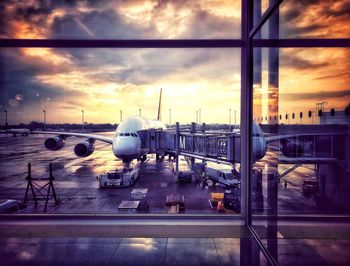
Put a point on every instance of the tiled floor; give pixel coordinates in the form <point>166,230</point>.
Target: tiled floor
<point>315,251</point>
<point>167,251</point>
<point>120,251</point>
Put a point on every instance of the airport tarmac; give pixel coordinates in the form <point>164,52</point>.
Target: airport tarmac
<point>79,192</point>
<point>76,183</point>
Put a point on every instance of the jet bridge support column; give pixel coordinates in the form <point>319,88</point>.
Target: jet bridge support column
<point>193,131</point>
<point>177,147</point>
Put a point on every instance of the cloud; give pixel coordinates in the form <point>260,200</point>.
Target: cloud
<point>292,31</point>
<point>315,18</point>
<point>316,95</point>
<point>18,76</point>
<point>205,25</point>
<point>340,75</point>
<point>121,19</point>
<point>294,61</point>
<point>95,25</point>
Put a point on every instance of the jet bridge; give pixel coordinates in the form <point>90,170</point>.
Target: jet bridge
<point>221,147</point>
<point>224,147</point>
<point>327,150</point>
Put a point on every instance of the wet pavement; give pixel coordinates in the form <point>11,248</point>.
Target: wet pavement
<point>75,178</point>
<point>78,189</point>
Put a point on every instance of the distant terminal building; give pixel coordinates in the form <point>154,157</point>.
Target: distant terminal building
<point>336,117</point>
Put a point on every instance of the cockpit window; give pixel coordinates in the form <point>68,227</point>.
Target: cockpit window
<point>126,134</point>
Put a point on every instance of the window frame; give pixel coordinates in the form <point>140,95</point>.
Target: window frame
<point>246,43</point>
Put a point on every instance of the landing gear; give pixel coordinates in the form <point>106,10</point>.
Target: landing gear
<point>126,164</point>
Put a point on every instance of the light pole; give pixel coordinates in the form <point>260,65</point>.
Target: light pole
<point>140,111</point>
<point>196,116</point>
<point>235,118</point>
<point>121,116</point>
<point>5,118</point>
<point>82,119</point>
<point>44,111</point>
<point>229,119</point>
<point>169,116</point>
<point>310,115</point>
<point>200,116</point>
<point>321,106</point>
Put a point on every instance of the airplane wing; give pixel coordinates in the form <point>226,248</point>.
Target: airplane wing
<point>74,134</point>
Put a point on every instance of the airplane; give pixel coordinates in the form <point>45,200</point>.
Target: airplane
<point>15,131</point>
<point>126,142</point>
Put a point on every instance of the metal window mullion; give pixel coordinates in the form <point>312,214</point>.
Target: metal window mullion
<point>246,123</point>
<point>115,43</point>
<point>271,9</point>
<point>246,111</point>
<point>301,43</point>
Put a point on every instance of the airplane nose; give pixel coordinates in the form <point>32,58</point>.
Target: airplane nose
<point>124,147</point>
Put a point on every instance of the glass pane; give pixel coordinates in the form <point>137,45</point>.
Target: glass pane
<point>308,19</point>
<point>301,103</point>
<point>96,91</point>
<point>314,19</point>
<point>120,19</point>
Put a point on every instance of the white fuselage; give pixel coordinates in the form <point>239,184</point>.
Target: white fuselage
<point>127,142</point>
<point>258,143</point>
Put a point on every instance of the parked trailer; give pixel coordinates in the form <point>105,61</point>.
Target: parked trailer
<point>118,178</point>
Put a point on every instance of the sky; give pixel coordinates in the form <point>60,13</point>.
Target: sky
<point>103,82</point>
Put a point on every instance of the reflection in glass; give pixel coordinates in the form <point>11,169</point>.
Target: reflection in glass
<point>305,169</point>
<point>309,19</point>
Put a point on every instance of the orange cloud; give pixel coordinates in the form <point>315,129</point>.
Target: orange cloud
<point>24,30</point>
<point>315,19</point>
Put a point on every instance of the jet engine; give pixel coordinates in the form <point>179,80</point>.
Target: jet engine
<point>291,148</point>
<point>85,148</point>
<point>54,143</point>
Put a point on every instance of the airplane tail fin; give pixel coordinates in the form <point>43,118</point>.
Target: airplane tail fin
<point>159,105</point>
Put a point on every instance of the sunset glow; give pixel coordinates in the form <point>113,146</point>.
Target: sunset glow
<point>105,81</point>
